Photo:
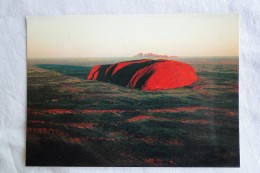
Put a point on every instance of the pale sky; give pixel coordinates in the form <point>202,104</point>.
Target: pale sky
<point>127,35</point>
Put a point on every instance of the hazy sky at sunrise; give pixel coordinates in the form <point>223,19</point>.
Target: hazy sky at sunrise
<point>127,35</point>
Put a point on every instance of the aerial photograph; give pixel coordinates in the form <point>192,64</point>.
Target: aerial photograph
<point>133,90</point>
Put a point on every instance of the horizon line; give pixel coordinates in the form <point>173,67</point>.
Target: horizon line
<point>138,57</point>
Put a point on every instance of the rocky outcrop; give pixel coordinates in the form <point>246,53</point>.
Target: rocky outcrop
<point>153,55</point>
<point>146,74</point>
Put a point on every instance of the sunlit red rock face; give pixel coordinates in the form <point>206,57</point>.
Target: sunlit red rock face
<point>146,74</point>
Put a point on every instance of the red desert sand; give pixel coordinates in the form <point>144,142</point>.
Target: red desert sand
<point>146,74</point>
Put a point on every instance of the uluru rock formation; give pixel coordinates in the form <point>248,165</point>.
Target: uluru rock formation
<point>146,74</point>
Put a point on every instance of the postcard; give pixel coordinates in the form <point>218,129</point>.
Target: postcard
<point>133,90</point>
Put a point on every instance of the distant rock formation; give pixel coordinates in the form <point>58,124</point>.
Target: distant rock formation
<point>152,55</point>
<point>146,74</point>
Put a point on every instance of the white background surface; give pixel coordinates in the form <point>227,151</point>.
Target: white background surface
<point>13,73</point>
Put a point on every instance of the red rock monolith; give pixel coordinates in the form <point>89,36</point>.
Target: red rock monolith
<point>146,74</point>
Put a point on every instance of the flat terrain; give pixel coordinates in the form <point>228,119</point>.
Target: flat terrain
<point>76,122</point>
